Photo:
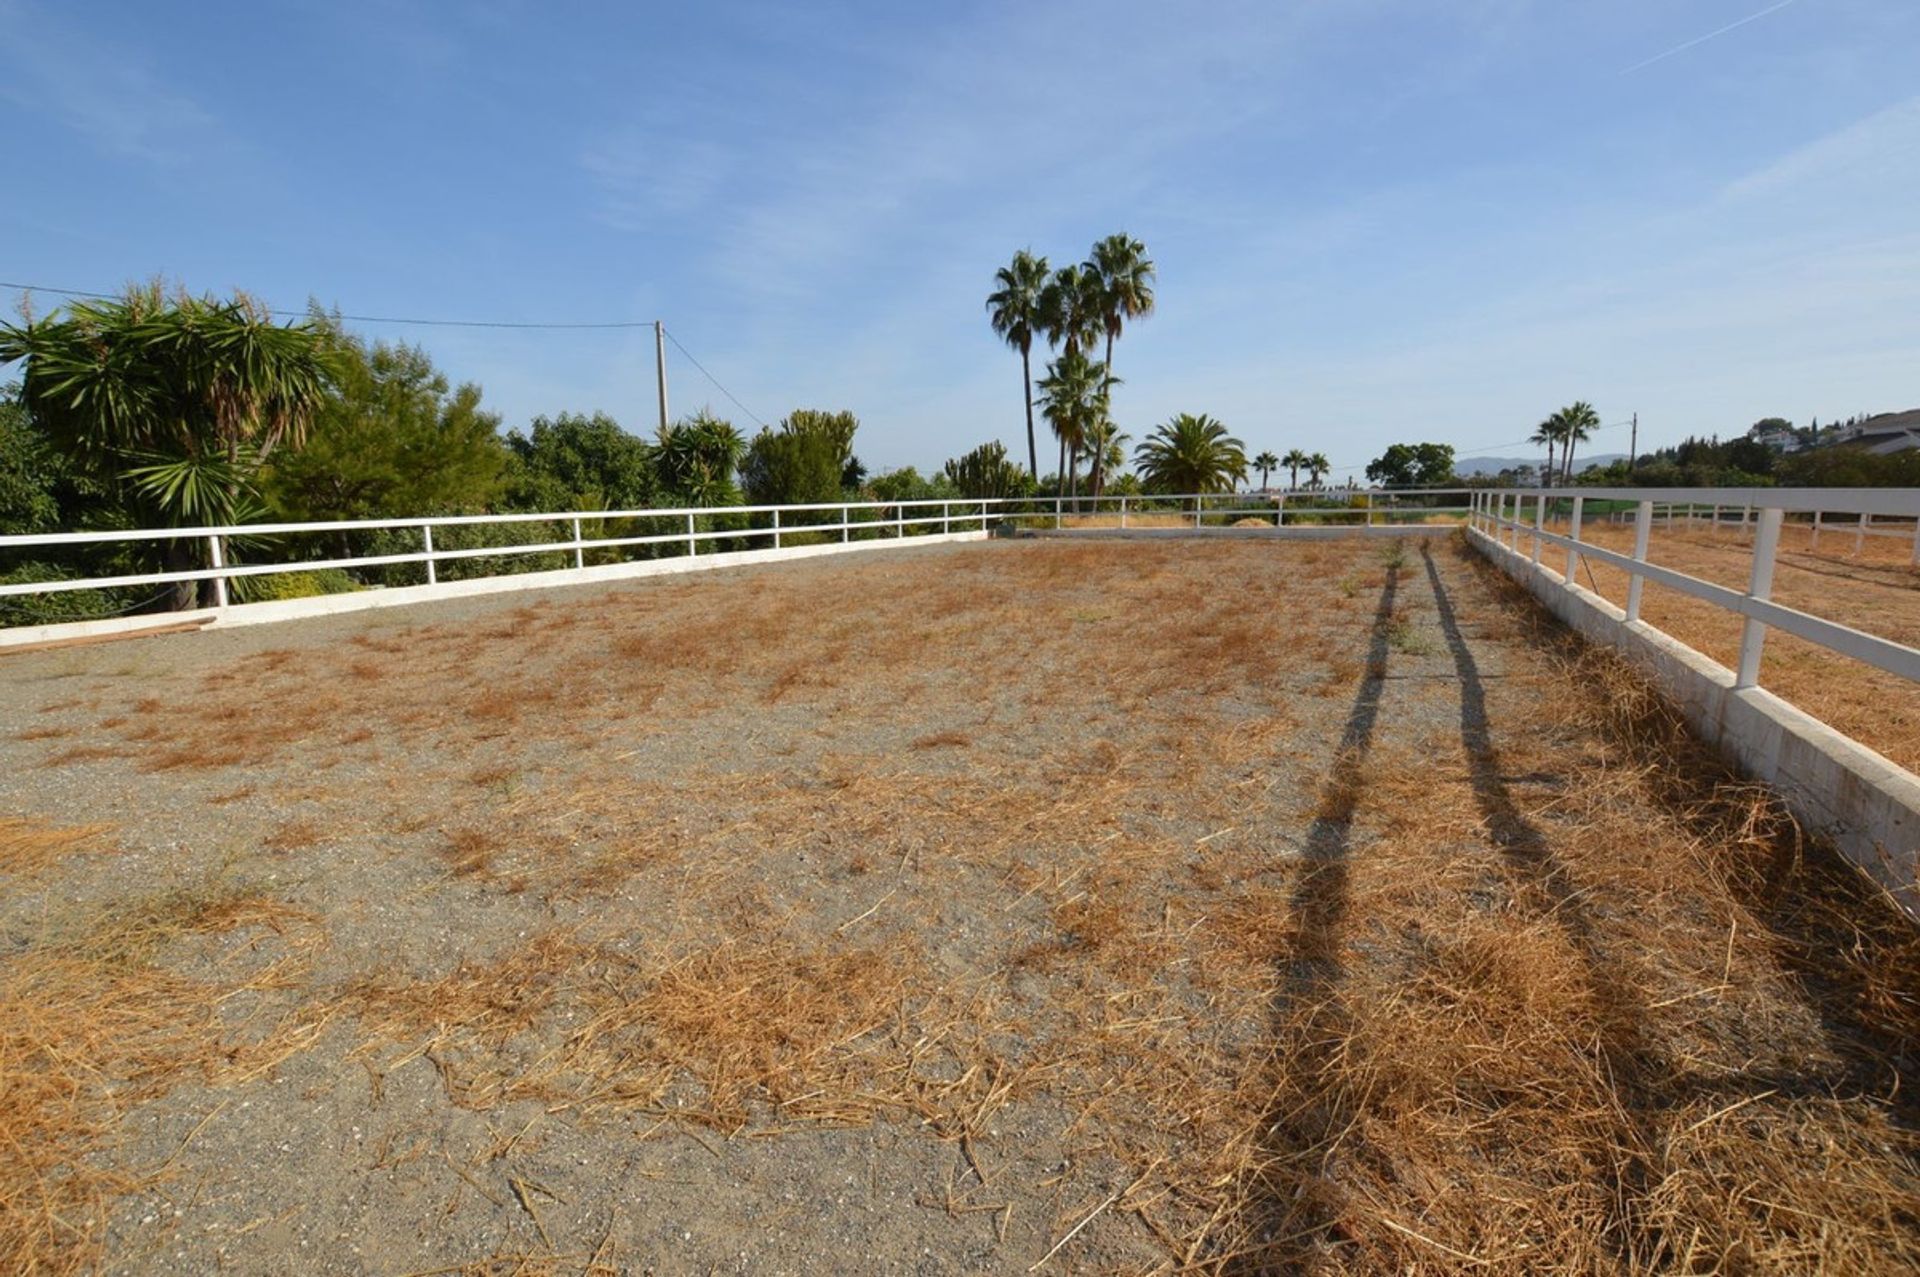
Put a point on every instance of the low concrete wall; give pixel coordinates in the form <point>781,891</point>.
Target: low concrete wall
<point>359,600</point>
<point>1289,533</point>
<point>1868,805</point>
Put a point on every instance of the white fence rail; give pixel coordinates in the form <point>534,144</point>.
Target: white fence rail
<point>1515,516</point>
<point>696,530</point>
<point>1868,804</point>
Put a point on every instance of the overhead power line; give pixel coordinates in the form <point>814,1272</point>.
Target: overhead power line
<point>710,377</point>
<point>370,319</point>
<point>443,323</point>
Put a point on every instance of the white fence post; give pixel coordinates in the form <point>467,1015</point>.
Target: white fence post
<point>1123,514</point>
<point>693,546</point>
<point>1813,539</point>
<point>946,517</point>
<point>1539,522</point>
<point>1573,532</point>
<point>1056,514</point>
<point>776,529</point>
<point>1753,634</point>
<point>1280,511</point>
<point>426,539</point>
<point>1636,584</point>
<point>217,558</point>
<point>579,546</point>
<point>846,524</point>
<point>1860,534</point>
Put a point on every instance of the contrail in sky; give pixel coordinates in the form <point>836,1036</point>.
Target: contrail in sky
<point>1682,48</point>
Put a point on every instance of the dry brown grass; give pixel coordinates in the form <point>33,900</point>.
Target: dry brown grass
<point>29,848</point>
<point>1878,591</point>
<point>1009,857</point>
<point>93,1024</point>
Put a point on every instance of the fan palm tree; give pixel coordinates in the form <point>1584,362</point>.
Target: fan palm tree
<point>174,402</point>
<point>1105,454</point>
<point>1125,275</point>
<point>1191,454</point>
<point>1577,422</point>
<point>1070,310</point>
<point>1317,466</point>
<point>1014,310</point>
<point>1547,433</point>
<point>1073,398</point>
<point>1295,461</point>
<point>1266,463</point>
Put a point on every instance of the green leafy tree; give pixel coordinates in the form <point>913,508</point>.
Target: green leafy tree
<point>32,472</point>
<point>1191,454</point>
<point>1125,279</point>
<point>987,472</point>
<point>577,462</point>
<point>393,439</point>
<point>793,467</point>
<point>176,403</point>
<point>1014,310</point>
<point>840,427</point>
<point>1295,461</point>
<point>1266,463</point>
<point>1413,465</point>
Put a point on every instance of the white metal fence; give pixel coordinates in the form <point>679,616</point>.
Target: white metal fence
<point>1515,517</point>
<point>274,549</point>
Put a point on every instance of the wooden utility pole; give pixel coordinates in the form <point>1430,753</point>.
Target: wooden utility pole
<point>1633,448</point>
<point>660,366</point>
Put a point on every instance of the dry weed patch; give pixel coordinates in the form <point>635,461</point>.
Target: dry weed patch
<point>94,1023</point>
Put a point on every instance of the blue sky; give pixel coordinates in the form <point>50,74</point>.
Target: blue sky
<point>1374,219</point>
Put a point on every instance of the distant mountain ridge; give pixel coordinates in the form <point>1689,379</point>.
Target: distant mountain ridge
<point>1494,465</point>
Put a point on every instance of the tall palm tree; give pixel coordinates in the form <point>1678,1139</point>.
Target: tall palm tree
<point>1295,461</point>
<point>1070,308</point>
<point>1125,274</point>
<point>1266,463</point>
<point>1191,454</point>
<point>1548,433</point>
<point>1014,311</point>
<point>1073,398</point>
<point>1317,466</point>
<point>1578,421</point>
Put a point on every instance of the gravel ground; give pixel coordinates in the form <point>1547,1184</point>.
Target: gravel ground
<point>890,914</point>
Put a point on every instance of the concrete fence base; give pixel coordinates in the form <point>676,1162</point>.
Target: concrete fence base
<point>1867,805</point>
<point>359,600</point>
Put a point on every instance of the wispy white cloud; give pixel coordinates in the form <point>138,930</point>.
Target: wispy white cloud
<point>1882,147</point>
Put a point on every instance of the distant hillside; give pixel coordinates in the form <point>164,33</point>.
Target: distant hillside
<point>1468,466</point>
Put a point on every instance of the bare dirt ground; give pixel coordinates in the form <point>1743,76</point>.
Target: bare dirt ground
<point>1877,590</point>
<point>1030,906</point>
